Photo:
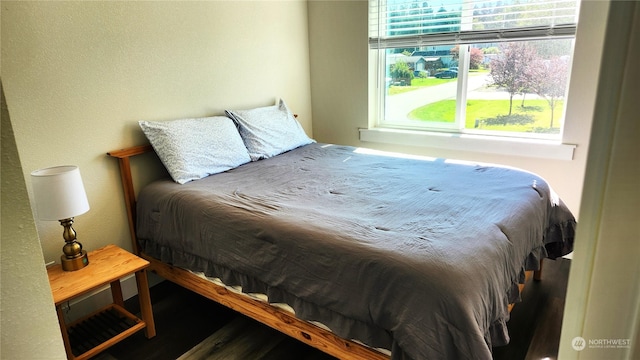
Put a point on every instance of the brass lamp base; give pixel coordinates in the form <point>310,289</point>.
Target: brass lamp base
<point>76,263</point>
<point>74,257</point>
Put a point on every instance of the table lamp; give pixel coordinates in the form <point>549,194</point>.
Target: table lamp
<point>59,195</point>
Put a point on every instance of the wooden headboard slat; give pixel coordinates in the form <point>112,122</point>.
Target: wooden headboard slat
<point>130,151</point>
<point>123,156</point>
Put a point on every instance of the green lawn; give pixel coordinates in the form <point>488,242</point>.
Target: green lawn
<point>444,111</point>
<point>417,83</point>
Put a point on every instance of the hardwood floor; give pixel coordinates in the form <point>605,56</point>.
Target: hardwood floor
<point>535,324</point>
<point>185,319</point>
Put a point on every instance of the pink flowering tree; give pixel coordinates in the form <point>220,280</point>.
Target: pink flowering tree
<point>551,81</point>
<point>512,69</point>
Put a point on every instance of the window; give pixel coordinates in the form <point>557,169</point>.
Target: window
<point>473,66</point>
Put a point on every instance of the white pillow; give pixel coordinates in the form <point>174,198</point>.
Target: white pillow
<point>269,131</point>
<point>192,149</point>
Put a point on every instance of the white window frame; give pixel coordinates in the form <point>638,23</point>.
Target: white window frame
<point>455,136</point>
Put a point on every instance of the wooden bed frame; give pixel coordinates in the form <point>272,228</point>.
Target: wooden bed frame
<point>274,317</point>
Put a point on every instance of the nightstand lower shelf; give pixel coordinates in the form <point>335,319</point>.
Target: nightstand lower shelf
<point>102,329</point>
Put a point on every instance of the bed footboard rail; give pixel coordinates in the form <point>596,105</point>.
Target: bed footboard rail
<point>272,316</point>
<point>123,156</point>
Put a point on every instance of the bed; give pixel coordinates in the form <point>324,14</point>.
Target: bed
<point>375,256</point>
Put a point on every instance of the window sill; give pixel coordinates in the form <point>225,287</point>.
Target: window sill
<point>544,149</point>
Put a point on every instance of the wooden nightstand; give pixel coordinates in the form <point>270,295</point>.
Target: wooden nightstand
<point>94,333</point>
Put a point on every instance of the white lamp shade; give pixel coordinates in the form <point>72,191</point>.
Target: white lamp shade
<point>59,193</point>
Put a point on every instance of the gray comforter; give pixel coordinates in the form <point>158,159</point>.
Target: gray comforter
<point>420,257</point>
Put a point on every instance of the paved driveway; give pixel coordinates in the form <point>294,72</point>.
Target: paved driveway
<point>400,105</point>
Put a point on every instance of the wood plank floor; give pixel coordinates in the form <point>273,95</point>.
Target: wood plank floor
<point>184,320</point>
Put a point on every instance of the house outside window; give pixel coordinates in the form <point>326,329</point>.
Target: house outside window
<point>473,66</point>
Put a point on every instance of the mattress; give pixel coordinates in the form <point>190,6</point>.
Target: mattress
<point>418,256</point>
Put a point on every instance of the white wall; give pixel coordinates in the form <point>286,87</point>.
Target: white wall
<point>29,327</point>
<point>339,78</point>
<point>78,75</point>
<point>603,296</point>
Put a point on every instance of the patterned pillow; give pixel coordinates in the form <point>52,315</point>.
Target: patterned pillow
<point>269,131</point>
<point>192,149</point>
